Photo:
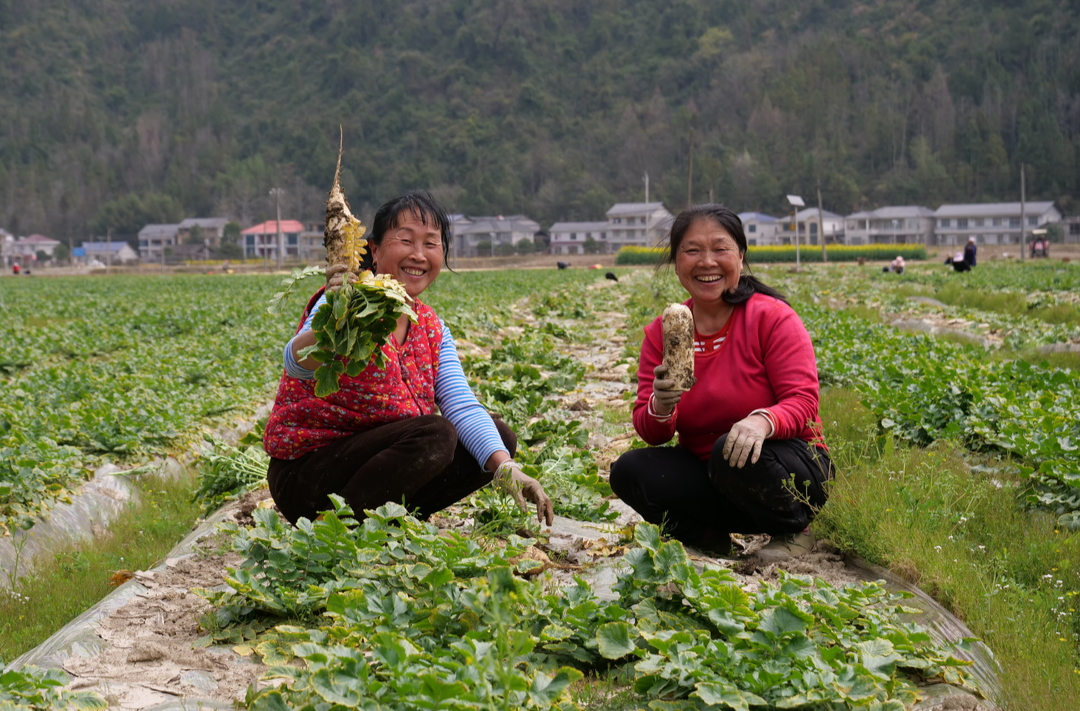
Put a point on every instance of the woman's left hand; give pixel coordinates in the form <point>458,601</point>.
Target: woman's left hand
<point>745,439</point>
<point>336,277</point>
<point>510,478</point>
<point>525,487</point>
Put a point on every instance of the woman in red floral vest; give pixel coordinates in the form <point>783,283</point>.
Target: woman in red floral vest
<point>379,438</point>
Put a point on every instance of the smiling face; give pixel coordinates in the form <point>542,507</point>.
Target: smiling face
<point>411,252</point>
<point>708,262</point>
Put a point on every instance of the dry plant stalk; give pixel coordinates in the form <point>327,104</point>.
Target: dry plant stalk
<point>343,235</point>
<point>678,324</point>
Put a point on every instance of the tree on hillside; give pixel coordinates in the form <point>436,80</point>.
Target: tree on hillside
<point>129,214</point>
<point>230,247</point>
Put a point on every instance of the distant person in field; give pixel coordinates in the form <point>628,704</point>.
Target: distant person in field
<point>959,263</point>
<point>379,438</point>
<point>897,266</point>
<point>15,269</point>
<point>750,457</point>
<point>970,250</point>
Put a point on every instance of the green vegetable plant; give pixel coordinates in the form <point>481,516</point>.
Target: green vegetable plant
<point>393,611</point>
<point>34,689</point>
<point>226,471</point>
<point>351,326</point>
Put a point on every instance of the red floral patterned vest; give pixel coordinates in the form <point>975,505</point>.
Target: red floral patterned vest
<point>404,387</point>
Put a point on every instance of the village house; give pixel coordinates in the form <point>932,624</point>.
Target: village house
<point>157,240</point>
<point>910,224</point>
<point>761,230</point>
<point>490,236</point>
<point>571,238</point>
<point>25,250</point>
<point>117,252</point>
<point>809,223</point>
<point>992,222</point>
<point>211,230</point>
<point>260,241</point>
<point>639,224</point>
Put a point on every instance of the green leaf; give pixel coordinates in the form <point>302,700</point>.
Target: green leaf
<point>784,620</point>
<point>335,688</point>
<point>615,640</point>
<point>545,690</point>
<point>726,695</point>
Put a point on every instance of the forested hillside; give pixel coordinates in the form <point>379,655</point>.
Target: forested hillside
<point>553,108</point>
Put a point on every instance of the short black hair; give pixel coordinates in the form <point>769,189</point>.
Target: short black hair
<point>732,224</point>
<point>419,203</point>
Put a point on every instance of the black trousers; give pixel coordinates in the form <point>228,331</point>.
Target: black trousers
<point>418,462</point>
<point>671,487</point>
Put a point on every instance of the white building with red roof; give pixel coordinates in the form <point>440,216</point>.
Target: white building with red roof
<point>260,241</point>
<point>26,249</point>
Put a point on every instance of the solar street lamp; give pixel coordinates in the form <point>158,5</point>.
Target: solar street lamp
<point>796,203</point>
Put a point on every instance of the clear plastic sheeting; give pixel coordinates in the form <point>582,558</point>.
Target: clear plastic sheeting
<point>89,513</point>
<point>81,640</point>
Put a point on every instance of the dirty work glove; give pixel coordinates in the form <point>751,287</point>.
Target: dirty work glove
<point>665,396</point>
<point>745,439</point>
<point>510,478</point>
<point>335,277</point>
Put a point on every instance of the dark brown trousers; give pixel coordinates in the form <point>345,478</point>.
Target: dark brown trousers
<point>417,462</point>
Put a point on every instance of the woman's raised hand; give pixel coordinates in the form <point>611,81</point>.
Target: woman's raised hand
<point>665,396</point>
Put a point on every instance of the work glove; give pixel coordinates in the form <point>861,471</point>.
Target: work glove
<point>335,277</point>
<point>521,486</point>
<point>745,439</point>
<point>665,396</point>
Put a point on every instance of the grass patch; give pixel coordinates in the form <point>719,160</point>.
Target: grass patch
<point>60,589</point>
<point>1058,314</point>
<point>869,313</point>
<point>995,301</point>
<point>955,525</point>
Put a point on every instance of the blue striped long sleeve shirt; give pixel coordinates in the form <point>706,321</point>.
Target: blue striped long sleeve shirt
<point>456,400</point>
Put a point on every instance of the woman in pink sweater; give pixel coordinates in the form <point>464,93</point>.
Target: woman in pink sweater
<point>749,457</point>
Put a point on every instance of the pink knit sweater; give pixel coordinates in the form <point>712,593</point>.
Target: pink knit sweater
<point>766,361</point>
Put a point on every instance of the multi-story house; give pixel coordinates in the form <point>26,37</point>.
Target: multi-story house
<point>910,224</point>
<point>809,223</point>
<point>992,222</point>
<point>210,228</point>
<point>639,224</point>
<point>25,249</point>
<point>261,240</point>
<point>490,236</point>
<point>155,241</point>
<point>571,237</point>
<point>1072,228</point>
<point>760,229</point>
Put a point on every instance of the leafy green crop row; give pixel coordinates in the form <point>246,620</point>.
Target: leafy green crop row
<point>395,612</point>
<point>125,368</point>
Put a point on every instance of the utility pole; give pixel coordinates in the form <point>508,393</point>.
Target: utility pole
<point>108,249</point>
<point>276,192</point>
<point>1023,245</point>
<point>690,172</point>
<point>821,224</point>
<point>646,186</point>
<point>796,202</point>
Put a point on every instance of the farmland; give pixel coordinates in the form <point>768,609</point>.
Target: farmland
<point>133,368</point>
